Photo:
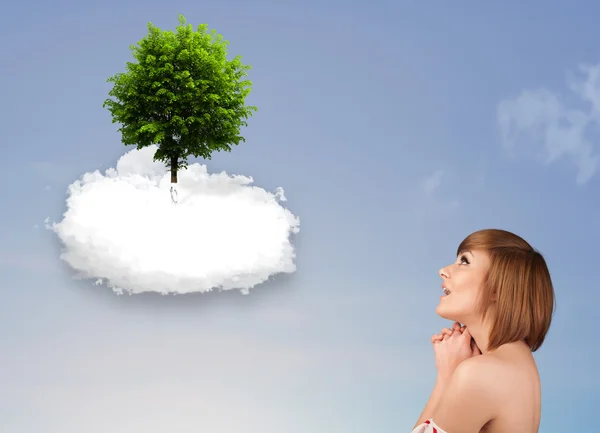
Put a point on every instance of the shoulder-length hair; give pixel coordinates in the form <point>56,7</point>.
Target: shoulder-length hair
<point>518,285</point>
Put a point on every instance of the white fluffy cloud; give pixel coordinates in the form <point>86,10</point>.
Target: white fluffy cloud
<point>563,131</point>
<point>121,228</point>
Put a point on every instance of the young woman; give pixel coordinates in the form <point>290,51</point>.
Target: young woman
<point>500,289</point>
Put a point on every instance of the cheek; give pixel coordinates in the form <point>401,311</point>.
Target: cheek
<point>471,286</point>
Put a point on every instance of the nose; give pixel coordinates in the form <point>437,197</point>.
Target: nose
<point>444,273</point>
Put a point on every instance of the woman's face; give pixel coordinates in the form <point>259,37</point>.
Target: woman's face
<point>463,280</point>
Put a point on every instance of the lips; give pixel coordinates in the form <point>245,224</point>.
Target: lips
<point>446,291</point>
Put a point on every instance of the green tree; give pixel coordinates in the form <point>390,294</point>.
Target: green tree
<point>181,94</point>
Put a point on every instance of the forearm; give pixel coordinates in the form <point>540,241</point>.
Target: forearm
<point>434,400</point>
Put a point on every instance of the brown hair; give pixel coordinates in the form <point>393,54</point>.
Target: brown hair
<point>518,283</point>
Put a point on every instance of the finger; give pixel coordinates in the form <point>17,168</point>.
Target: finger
<point>437,337</point>
<point>446,336</point>
<point>474,348</point>
<point>447,331</point>
<point>456,326</point>
<point>467,334</point>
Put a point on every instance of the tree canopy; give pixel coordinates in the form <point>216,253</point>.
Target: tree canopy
<point>182,94</point>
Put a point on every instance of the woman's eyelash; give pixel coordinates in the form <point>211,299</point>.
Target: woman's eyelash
<point>463,259</point>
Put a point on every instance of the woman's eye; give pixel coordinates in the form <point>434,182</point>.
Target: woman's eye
<point>464,261</point>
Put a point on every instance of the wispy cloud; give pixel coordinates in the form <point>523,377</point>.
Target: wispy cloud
<point>433,182</point>
<point>429,189</point>
<point>558,131</point>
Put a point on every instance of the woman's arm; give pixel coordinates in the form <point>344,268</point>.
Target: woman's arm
<point>470,400</point>
<point>432,403</point>
<point>443,377</point>
<point>451,347</point>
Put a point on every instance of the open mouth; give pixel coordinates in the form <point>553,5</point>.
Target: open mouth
<point>446,291</point>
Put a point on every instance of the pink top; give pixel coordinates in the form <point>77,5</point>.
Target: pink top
<point>428,427</point>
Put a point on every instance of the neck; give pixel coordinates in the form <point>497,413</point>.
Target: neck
<point>481,334</point>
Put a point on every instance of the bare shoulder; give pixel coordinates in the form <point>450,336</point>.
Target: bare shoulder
<point>480,369</point>
<point>494,392</point>
<point>487,376</point>
<point>470,400</point>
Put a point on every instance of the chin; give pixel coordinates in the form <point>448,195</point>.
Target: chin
<point>444,313</point>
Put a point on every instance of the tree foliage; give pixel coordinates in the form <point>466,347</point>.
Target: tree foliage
<point>181,93</point>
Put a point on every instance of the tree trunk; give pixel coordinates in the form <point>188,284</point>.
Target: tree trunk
<point>174,161</point>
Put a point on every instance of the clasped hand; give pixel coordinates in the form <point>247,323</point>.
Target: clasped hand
<point>451,347</point>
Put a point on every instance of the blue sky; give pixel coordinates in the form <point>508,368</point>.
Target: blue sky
<point>381,121</point>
